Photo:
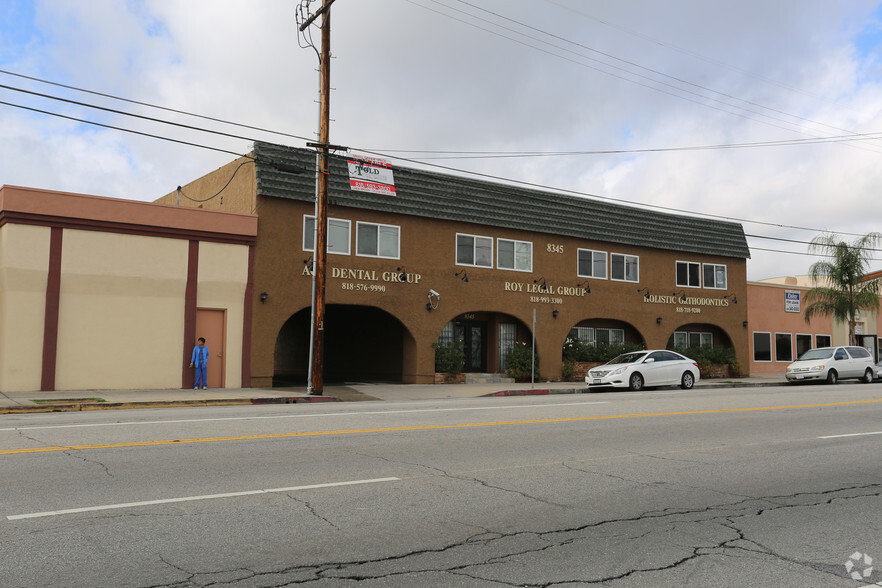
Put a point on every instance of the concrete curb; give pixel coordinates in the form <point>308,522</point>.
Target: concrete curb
<point>586,390</point>
<point>84,406</point>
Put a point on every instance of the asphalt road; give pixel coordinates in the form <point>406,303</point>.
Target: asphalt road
<point>749,487</point>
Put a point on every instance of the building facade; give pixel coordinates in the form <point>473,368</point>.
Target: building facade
<point>416,257</point>
<point>101,293</point>
<point>779,332</point>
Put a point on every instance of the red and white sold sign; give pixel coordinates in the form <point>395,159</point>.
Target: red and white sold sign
<point>371,175</point>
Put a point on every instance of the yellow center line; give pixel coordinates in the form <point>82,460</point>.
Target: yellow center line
<point>423,427</point>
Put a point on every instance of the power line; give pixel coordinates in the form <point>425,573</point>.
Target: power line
<point>630,73</point>
<point>167,109</point>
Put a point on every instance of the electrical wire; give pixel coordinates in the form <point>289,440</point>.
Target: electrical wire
<point>631,73</point>
<point>165,108</point>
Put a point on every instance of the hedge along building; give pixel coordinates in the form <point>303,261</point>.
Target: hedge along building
<point>102,293</point>
<point>416,257</point>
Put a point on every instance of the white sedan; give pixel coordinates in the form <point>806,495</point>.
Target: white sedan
<point>654,367</point>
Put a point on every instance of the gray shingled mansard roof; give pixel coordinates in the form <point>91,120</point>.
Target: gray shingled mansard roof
<point>443,196</point>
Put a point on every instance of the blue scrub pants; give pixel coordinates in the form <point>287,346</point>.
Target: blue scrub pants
<point>201,376</point>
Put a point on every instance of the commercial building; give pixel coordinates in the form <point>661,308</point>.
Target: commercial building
<point>102,293</point>
<point>780,333</point>
<point>416,257</point>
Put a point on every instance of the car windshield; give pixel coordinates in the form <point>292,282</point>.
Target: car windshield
<point>816,354</point>
<point>628,358</point>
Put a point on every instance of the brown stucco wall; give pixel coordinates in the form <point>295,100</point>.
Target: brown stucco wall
<point>231,188</point>
<point>428,249</point>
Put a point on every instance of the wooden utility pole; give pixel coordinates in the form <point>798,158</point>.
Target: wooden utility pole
<point>316,383</point>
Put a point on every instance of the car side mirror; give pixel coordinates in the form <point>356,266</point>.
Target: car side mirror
<point>650,360</point>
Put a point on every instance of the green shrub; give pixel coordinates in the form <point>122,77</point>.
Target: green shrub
<point>575,349</point>
<point>449,357</point>
<point>711,355</point>
<point>518,362</point>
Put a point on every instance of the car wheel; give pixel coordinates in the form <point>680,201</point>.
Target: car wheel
<point>832,377</point>
<point>868,376</point>
<point>635,382</point>
<point>687,381</point>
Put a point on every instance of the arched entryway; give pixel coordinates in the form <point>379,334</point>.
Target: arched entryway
<point>485,339</point>
<point>699,335</point>
<point>362,344</point>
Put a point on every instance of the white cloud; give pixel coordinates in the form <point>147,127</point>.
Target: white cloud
<point>409,78</point>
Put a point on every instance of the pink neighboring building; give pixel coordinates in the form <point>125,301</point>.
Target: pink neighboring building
<point>778,332</point>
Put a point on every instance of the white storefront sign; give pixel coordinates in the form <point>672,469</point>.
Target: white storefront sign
<point>791,301</point>
<point>371,175</point>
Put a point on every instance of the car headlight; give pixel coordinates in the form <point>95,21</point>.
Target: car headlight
<point>818,368</point>
<point>621,370</point>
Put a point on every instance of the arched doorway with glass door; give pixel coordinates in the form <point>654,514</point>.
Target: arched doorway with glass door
<point>484,340</point>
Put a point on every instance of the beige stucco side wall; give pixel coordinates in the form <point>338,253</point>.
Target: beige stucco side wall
<point>223,275</point>
<point>121,315</point>
<point>212,191</point>
<point>24,270</point>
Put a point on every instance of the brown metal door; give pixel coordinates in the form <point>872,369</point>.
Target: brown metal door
<point>212,324</point>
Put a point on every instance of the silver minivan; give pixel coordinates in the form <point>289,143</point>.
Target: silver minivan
<point>832,364</point>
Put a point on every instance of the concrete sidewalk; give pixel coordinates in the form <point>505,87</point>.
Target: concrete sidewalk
<point>59,401</point>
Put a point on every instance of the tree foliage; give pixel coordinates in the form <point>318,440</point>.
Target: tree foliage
<point>841,290</point>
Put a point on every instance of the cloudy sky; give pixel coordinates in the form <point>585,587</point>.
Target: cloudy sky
<point>767,113</point>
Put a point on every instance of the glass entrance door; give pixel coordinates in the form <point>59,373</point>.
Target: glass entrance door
<point>473,335</point>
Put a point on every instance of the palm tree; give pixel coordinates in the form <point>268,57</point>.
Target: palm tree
<point>840,289</point>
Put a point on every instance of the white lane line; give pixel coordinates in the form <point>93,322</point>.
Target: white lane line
<point>296,416</point>
<point>850,435</point>
<point>52,513</point>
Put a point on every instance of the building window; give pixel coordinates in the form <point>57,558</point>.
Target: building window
<point>592,264</point>
<point>715,276</point>
<point>375,240</point>
<point>762,347</point>
<point>508,338</point>
<point>689,274</point>
<point>583,334</point>
<point>514,255</point>
<point>625,268</point>
<point>338,235</point>
<point>610,336</point>
<point>803,344</point>
<point>693,339</point>
<point>783,347</point>
<point>474,250</point>
<point>823,341</point>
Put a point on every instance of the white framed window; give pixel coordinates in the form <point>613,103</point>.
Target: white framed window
<point>592,264</point>
<point>610,336</point>
<point>762,346</point>
<point>784,347</point>
<point>376,240</point>
<point>338,235</point>
<point>474,250</point>
<point>624,268</point>
<point>688,274</point>
<point>583,334</point>
<point>823,341</point>
<point>514,255</point>
<point>693,339</point>
<point>715,276</point>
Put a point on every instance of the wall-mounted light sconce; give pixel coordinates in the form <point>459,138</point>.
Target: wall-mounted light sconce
<point>554,313</point>
<point>744,324</point>
<point>464,274</point>
<point>658,320</point>
<point>733,297</point>
<point>434,299</point>
<point>681,295</point>
<point>584,285</point>
<point>263,296</point>
<point>308,262</point>
<point>543,286</point>
<point>403,275</point>
<point>645,292</point>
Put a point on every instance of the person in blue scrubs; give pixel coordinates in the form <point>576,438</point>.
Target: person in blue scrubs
<point>199,360</point>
